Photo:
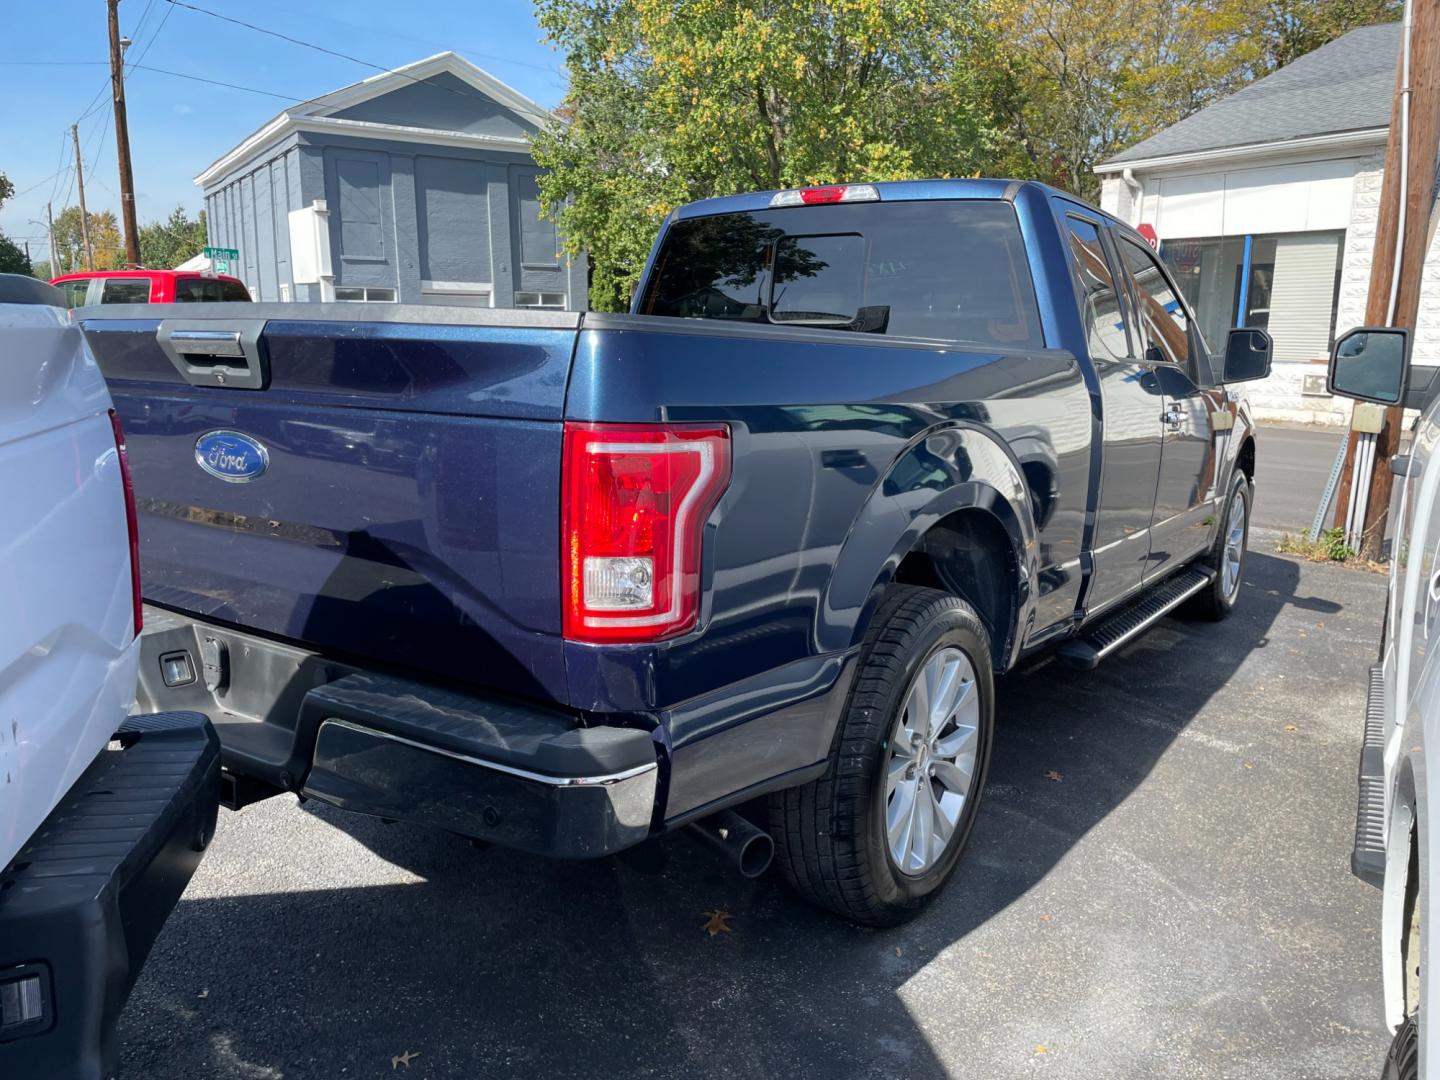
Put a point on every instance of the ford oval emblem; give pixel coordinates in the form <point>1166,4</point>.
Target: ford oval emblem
<point>231,456</point>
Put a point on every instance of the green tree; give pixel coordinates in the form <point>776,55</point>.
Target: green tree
<point>166,244</point>
<point>13,259</point>
<point>105,243</point>
<point>1288,29</point>
<point>672,102</point>
<point>1075,81</point>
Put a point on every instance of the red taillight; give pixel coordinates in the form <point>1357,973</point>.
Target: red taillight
<point>130,522</point>
<point>634,503</point>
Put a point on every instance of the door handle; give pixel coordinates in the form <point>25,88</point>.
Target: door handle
<point>1172,416</point>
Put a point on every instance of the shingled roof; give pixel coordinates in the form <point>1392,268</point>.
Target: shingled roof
<point>1345,86</point>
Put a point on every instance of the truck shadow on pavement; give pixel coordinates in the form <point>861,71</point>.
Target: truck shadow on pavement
<point>490,963</point>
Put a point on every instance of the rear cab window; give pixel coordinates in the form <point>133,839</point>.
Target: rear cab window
<point>948,270</point>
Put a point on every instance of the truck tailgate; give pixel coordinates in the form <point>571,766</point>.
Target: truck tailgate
<point>373,481</point>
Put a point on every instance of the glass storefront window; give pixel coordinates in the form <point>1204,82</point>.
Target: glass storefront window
<point>1293,283</point>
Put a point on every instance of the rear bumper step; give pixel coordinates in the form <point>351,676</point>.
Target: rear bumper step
<point>84,900</point>
<point>1367,860</point>
<point>1125,625</point>
<point>499,770</point>
<point>391,776</point>
<point>510,774</point>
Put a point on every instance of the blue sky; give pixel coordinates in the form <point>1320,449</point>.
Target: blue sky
<point>178,126</point>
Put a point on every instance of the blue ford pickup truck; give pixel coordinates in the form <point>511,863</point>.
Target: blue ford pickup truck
<point>564,581</point>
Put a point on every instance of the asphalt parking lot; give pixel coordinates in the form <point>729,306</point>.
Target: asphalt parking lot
<point>1158,886</point>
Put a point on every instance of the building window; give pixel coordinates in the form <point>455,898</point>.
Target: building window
<point>374,295</point>
<point>539,243</point>
<point>553,300</point>
<point>1286,284</point>
<point>456,293</point>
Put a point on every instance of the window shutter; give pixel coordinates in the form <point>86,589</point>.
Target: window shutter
<point>1302,299</point>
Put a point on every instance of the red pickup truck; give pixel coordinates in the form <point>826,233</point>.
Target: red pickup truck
<point>148,287</point>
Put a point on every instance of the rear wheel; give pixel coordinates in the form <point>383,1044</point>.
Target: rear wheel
<point>1403,1061</point>
<point>881,831</point>
<point>1227,557</point>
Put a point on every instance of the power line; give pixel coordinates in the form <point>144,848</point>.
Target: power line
<point>149,44</point>
<point>139,26</point>
<point>217,82</point>
<point>62,167</point>
<point>548,69</point>
<point>323,49</point>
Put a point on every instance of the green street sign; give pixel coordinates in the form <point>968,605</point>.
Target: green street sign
<point>221,258</point>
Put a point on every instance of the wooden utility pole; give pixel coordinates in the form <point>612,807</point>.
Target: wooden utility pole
<point>84,214</point>
<point>122,139</point>
<point>55,270</point>
<point>1420,206</point>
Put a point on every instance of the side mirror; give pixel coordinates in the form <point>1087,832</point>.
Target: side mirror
<point>1247,355</point>
<point>1369,364</point>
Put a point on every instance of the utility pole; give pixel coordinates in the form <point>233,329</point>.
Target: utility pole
<point>55,270</point>
<point>1423,110</point>
<point>122,139</point>
<point>84,214</point>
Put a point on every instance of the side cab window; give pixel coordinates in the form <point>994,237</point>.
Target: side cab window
<point>1100,306</point>
<point>1163,324</point>
<point>75,292</point>
<point>126,291</point>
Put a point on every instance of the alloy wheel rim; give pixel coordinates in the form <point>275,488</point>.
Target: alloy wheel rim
<point>930,768</point>
<point>1234,547</point>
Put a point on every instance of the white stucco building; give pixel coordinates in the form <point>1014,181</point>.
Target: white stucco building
<point>1265,206</point>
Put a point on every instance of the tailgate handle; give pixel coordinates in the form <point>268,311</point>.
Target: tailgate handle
<point>228,353</point>
<point>209,343</point>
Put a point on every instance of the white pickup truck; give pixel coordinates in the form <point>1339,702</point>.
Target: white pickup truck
<point>104,816</point>
<point>1396,816</point>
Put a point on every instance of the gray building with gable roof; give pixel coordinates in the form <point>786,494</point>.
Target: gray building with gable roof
<point>414,186</point>
<point>1265,206</point>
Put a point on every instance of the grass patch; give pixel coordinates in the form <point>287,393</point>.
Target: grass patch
<point>1329,546</point>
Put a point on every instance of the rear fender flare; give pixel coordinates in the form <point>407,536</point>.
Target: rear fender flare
<point>951,467</point>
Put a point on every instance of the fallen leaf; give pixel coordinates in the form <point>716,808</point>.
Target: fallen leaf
<point>897,950</point>
<point>1044,918</point>
<point>403,1059</point>
<point>1249,765</point>
<point>1052,775</point>
<point>1291,727</point>
<point>717,922</point>
<point>1041,1048</point>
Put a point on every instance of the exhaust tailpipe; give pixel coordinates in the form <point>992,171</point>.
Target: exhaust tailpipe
<point>749,848</point>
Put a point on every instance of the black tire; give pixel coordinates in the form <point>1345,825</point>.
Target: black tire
<point>1403,1061</point>
<point>830,837</point>
<point>1213,602</point>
